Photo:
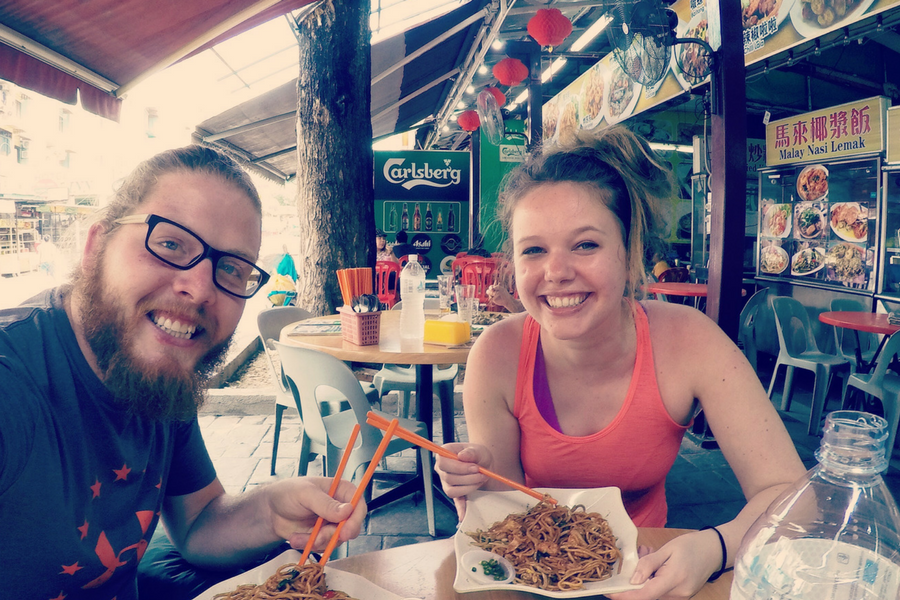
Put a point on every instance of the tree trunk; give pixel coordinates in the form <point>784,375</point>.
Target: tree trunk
<point>334,151</point>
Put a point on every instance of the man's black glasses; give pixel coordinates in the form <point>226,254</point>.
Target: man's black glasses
<point>179,247</point>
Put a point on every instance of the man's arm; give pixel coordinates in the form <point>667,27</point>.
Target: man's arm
<point>215,530</point>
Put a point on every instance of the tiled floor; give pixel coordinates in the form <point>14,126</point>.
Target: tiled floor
<point>701,489</point>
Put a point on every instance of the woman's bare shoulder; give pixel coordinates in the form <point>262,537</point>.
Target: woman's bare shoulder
<point>679,326</point>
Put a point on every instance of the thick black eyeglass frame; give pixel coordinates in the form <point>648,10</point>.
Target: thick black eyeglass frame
<point>208,251</point>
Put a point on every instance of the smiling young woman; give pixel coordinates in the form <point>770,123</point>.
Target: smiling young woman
<point>592,386</point>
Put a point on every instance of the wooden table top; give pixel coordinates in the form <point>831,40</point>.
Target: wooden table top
<point>427,570</point>
<point>859,320</point>
<point>389,350</point>
<point>678,289</point>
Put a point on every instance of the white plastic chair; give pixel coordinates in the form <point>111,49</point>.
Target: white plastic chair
<point>270,322</point>
<point>884,386</point>
<point>402,379</point>
<point>845,340</point>
<point>310,372</point>
<point>798,348</point>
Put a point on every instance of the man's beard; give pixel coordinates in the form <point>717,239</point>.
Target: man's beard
<point>158,392</point>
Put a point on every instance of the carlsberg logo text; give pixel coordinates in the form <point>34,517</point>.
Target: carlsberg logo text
<point>415,175</point>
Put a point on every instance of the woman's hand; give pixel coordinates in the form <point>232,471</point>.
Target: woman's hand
<point>677,570</point>
<point>499,295</point>
<point>461,477</point>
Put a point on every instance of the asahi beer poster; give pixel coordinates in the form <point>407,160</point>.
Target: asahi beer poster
<point>426,194</point>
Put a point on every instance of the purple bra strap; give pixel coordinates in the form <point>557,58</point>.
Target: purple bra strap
<point>542,398</point>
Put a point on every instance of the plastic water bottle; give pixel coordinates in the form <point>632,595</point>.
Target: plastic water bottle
<point>412,293</point>
<point>835,533</point>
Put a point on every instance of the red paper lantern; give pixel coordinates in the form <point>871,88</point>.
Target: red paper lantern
<point>549,27</point>
<point>510,71</point>
<point>498,95</point>
<point>469,120</point>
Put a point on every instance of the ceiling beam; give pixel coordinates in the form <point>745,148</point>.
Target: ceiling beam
<point>444,36</point>
<point>418,91</point>
<point>489,31</point>
<point>249,127</point>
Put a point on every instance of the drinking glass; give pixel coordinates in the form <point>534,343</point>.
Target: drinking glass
<point>465,302</point>
<point>445,289</point>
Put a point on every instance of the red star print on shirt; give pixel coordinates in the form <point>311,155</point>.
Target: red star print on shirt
<point>96,489</point>
<point>83,529</point>
<point>70,569</point>
<point>122,474</point>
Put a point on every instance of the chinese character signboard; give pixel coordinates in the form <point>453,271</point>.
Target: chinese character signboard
<point>893,135</point>
<point>605,95</point>
<point>846,130</point>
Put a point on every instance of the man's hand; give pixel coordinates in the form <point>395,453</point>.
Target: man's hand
<point>297,503</point>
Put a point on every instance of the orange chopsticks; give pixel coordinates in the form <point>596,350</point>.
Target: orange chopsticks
<point>361,488</point>
<point>354,282</point>
<point>380,422</point>
<point>348,449</point>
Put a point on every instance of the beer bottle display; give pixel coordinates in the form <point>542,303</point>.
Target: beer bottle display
<point>429,219</point>
<point>417,219</point>
<point>392,221</point>
<point>404,218</point>
<point>451,220</point>
<point>440,220</point>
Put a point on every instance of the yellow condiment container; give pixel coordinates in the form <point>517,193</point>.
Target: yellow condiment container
<point>447,332</point>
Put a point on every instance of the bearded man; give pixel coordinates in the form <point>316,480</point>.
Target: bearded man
<point>101,381</point>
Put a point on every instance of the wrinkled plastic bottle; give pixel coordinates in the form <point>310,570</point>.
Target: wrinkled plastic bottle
<point>834,533</point>
<point>412,293</point>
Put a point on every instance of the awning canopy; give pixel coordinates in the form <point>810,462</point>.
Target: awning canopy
<point>102,48</point>
<point>412,74</point>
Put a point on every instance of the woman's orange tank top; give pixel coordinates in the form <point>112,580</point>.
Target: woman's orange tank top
<point>634,452</point>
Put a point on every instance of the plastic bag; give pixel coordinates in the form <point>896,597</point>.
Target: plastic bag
<point>282,291</point>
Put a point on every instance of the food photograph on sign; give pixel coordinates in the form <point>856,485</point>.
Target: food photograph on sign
<point>812,183</point>
<point>850,221</point>
<point>776,219</point>
<point>551,118</point>
<point>809,220</point>
<point>811,17</point>
<point>592,96</point>
<point>847,264</point>
<point>773,258</point>
<point>622,94</point>
<point>567,126</point>
<point>808,260</point>
<point>692,59</point>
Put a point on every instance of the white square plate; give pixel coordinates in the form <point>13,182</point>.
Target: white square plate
<point>353,585</point>
<point>483,509</point>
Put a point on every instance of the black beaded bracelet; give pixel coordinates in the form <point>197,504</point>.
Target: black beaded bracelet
<point>721,570</point>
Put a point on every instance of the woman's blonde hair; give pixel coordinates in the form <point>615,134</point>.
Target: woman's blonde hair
<point>630,179</point>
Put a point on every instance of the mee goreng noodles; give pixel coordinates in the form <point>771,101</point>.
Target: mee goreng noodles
<point>554,548</point>
<point>290,582</point>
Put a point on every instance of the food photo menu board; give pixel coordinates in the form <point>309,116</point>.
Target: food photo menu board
<point>818,224</point>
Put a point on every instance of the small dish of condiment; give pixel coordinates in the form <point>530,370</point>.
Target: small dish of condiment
<point>488,568</point>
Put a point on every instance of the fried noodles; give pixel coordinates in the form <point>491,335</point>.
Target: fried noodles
<point>554,548</point>
<point>290,582</point>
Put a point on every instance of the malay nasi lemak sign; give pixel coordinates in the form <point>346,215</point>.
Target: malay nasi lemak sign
<point>840,131</point>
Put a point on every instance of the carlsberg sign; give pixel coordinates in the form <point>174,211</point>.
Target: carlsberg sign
<point>422,175</point>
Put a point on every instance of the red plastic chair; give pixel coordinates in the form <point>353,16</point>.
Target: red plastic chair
<point>387,282</point>
<point>481,273</point>
<point>456,266</point>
